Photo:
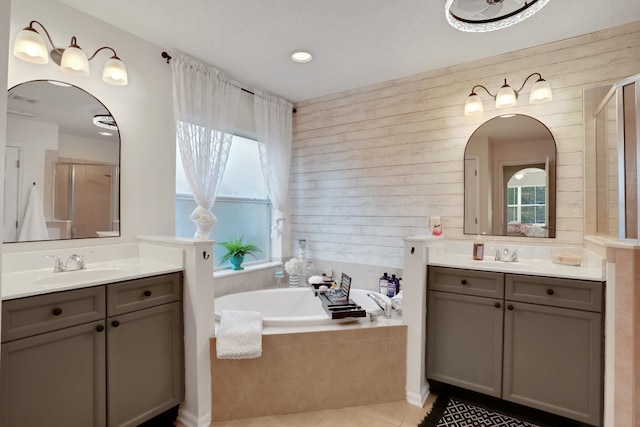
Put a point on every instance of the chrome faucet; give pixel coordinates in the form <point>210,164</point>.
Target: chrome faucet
<point>506,256</point>
<point>58,266</point>
<point>78,259</point>
<point>386,307</point>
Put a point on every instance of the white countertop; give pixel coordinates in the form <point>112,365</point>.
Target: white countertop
<point>26,283</point>
<point>533,267</point>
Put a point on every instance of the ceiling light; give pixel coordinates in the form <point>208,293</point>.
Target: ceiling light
<point>301,57</point>
<point>105,121</point>
<point>519,175</point>
<point>105,133</point>
<point>489,15</point>
<point>31,47</point>
<point>507,96</point>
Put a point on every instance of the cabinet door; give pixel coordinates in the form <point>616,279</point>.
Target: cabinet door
<point>553,360</point>
<point>55,379</point>
<point>145,374</point>
<point>464,341</point>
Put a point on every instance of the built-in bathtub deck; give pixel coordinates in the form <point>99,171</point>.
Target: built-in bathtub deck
<point>308,371</point>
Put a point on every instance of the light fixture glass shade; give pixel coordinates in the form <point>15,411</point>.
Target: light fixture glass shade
<point>506,97</point>
<point>473,105</point>
<point>540,92</point>
<point>74,61</point>
<point>31,47</point>
<point>114,72</point>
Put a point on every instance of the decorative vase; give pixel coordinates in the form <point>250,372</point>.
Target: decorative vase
<point>294,280</point>
<point>236,262</point>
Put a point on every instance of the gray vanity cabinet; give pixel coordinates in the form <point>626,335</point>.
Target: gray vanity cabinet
<point>145,374</point>
<point>102,356</point>
<point>465,330</point>
<point>52,367</point>
<point>536,341</point>
<point>553,351</point>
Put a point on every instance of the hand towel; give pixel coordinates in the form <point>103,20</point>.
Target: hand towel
<point>396,302</point>
<point>34,226</point>
<point>239,335</point>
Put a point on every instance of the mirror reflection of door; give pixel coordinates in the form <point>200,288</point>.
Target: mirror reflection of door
<point>471,195</point>
<point>11,193</point>
<point>526,195</point>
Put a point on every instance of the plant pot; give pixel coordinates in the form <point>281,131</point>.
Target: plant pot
<point>236,262</point>
<point>294,280</point>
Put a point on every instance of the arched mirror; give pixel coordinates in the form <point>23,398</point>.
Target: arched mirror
<point>62,165</point>
<point>509,179</point>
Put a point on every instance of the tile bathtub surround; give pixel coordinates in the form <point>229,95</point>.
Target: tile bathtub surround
<point>314,371</point>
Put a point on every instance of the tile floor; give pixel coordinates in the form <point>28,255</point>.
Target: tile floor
<point>392,414</point>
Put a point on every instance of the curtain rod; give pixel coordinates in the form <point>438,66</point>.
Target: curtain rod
<point>166,56</point>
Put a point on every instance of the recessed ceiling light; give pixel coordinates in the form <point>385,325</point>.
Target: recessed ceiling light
<point>105,133</point>
<point>301,56</point>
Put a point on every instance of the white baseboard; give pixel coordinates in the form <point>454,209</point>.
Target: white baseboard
<point>418,399</point>
<point>189,419</point>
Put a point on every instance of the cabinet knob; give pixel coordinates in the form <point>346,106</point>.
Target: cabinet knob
<point>115,323</point>
<point>497,305</point>
<point>510,307</point>
<point>100,328</point>
<point>463,281</point>
<point>147,293</point>
<point>550,292</point>
<point>56,311</point>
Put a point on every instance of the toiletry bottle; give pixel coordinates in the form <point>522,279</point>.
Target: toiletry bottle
<point>384,284</point>
<point>391,288</point>
<point>397,284</point>
<point>478,249</point>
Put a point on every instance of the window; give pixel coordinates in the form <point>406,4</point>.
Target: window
<point>242,205</point>
<point>526,205</point>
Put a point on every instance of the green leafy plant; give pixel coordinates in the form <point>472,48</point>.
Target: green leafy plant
<point>236,248</point>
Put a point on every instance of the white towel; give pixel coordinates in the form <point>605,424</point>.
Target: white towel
<point>34,226</point>
<point>239,335</point>
<point>396,302</point>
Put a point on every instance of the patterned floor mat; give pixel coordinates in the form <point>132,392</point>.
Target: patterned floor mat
<point>448,412</point>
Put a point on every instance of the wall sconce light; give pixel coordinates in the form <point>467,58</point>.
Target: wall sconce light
<point>506,96</point>
<point>31,47</point>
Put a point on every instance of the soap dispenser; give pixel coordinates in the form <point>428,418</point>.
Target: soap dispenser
<point>478,249</point>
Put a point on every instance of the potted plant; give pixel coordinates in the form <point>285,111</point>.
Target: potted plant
<point>236,250</point>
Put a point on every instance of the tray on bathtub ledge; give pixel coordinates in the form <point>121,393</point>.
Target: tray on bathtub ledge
<point>341,309</point>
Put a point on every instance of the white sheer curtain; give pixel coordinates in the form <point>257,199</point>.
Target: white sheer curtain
<point>273,127</point>
<point>205,104</point>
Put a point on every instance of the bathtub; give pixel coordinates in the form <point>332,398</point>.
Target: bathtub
<point>292,306</point>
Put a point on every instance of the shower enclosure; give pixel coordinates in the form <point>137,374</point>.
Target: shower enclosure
<point>86,198</point>
<point>612,136</point>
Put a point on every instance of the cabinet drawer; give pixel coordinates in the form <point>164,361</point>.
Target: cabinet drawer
<point>29,316</point>
<point>137,294</point>
<point>567,293</point>
<point>467,282</point>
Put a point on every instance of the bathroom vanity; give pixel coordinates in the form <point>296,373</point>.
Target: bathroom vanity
<point>104,355</point>
<point>531,340</point>
<point>527,333</point>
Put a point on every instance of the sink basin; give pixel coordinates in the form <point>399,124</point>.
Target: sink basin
<point>75,276</point>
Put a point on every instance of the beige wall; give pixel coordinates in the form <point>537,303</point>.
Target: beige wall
<point>371,164</point>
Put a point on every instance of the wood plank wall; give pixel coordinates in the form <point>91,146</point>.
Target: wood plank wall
<point>370,165</point>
